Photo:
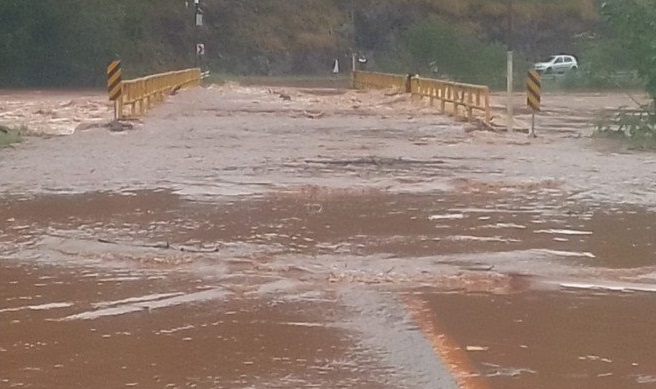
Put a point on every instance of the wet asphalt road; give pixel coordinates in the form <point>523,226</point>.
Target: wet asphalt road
<point>237,240</point>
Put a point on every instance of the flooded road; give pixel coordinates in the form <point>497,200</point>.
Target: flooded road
<point>309,223</point>
<point>333,239</point>
<point>108,328</point>
<point>551,340</point>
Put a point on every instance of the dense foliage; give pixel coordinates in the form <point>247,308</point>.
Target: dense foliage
<point>69,42</point>
<point>635,24</point>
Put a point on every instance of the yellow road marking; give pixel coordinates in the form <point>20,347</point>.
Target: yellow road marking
<point>449,351</point>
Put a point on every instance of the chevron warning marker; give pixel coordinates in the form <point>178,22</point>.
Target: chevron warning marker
<point>114,80</point>
<point>533,86</point>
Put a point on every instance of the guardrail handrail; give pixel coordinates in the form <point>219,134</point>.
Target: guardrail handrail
<point>140,94</point>
<point>371,80</point>
<point>460,96</point>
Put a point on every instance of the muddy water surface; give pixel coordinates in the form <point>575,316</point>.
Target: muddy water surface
<point>71,327</point>
<point>553,340</point>
<point>158,290</point>
<point>238,239</point>
<point>314,221</point>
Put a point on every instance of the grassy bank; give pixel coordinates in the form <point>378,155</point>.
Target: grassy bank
<point>582,81</point>
<point>635,126</point>
<point>9,135</point>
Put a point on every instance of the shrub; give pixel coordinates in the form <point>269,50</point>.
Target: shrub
<point>636,125</point>
<point>9,135</point>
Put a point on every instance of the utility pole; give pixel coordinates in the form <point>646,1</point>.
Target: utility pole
<point>509,68</point>
<point>198,23</point>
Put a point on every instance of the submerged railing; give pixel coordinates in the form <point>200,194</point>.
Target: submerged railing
<point>139,95</point>
<point>458,99</point>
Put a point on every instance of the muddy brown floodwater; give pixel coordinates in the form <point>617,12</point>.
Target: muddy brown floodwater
<point>177,332</point>
<point>335,239</point>
<point>552,340</point>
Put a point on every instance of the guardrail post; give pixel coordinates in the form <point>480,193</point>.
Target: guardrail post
<point>119,104</point>
<point>443,98</point>
<point>138,99</point>
<point>488,117</point>
<point>470,105</point>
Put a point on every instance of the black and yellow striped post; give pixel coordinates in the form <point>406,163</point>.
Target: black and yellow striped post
<point>114,86</point>
<point>533,98</point>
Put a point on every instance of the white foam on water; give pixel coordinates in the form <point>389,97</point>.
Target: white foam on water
<point>120,279</point>
<point>90,315</point>
<point>147,305</point>
<point>172,330</point>
<point>136,299</point>
<point>509,225</point>
<point>207,295</point>
<point>610,286</point>
<point>563,232</point>
<point>483,239</point>
<point>42,307</point>
<point>569,253</point>
<point>451,216</point>
<point>302,324</point>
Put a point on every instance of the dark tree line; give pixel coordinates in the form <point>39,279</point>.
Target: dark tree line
<point>70,42</point>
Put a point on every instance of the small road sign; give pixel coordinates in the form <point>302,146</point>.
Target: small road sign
<point>533,86</point>
<point>533,99</point>
<point>200,49</point>
<point>114,80</point>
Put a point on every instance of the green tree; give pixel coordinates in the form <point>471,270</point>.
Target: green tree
<point>69,42</point>
<point>635,24</point>
<point>457,54</point>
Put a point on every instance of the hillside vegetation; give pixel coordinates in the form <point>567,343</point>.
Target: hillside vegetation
<point>69,42</point>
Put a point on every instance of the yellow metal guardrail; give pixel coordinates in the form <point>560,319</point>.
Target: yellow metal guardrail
<point>463,99</point>
<point>141,94</point>
<point>459,99</point>
<point>371,80</point>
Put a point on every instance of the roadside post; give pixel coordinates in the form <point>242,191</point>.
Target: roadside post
<point>509,70</point>
<point>115,87</point>
<point>198,23</point>
<point>533,98</point>
<point>509,91</point>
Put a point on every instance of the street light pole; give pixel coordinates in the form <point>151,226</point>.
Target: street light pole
<point>509,68</point>
<point>354,42</point>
